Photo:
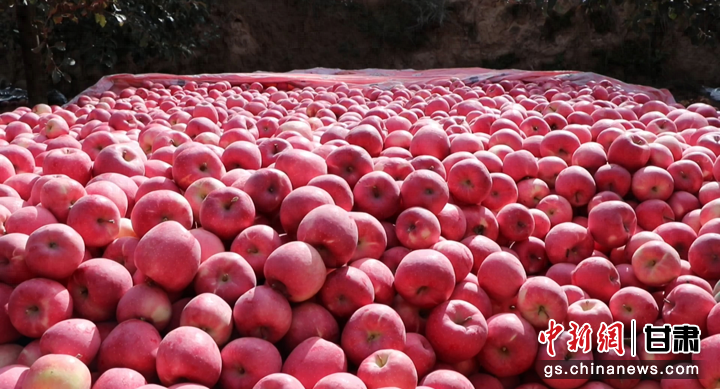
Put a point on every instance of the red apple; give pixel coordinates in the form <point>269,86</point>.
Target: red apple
<point>112,192</point>
<point>516,222</point>
<point>299,203</point>
<point>160,206</point>
<point>614,178</point>
<point>430,141</point>
<point>372,238</point>
<point>702,254</point>
<point>425,278</point>
<point>54,251</point>
<point>501,275</point>
<point>557,208</point>
<point>707,360</point>
<point>28,219</point>
<point>314,359</point>
<point>123,159</point>
<point>296,270</point>
<point>96,219</point>
<point>211,314</point>
<point>242,155</point>
<point>632,303</point>
<point>469,181</point>
<point>561,144</point>
<point>678,235</point>
<point>480,221</point>
<point>59,195</point>
<point>349,162</point>
<point>541,299</point>
<point>591,156</point>
<point>656,263</point>
<point>456,330</point>
<point>688,304</point>
<point>226,212</point>
<point>210,244</point>
<point>589,311</point>
<point>279,380</point>
<point>371,328</point>
<point>8,333</point>
<point>417,228</point>
<point>120,378</point>
<point>13,268</point>
<point>338,189</point>
<point>340,380</point>
<point>687,176</point>
<point>459,255</point>
<point>425,189</point>
<point>168,245</point>
<point>630,151</point>
<point>246,361</point>
<point>452,222</point>
<point>345,290</point>
<point>255,244</point>
<point>652,213</point>
<point>510,348</point>
<point>194,163</point>
<point>133,344</point>
<point>549,168</point>
<point>73,163</point>
<point>377,194</point>
<point>652,183</point>
<point>226,274</point>
<point>576,185</point>
<point>531,191</point>
<point>329,229</point>
<point>263,313</point>
<point>57,371</point>
<point>9,354</point>
<point>504,191</point>
<point>612,223</point>
<point>37,304</point>
<point>300,166</point>
<point>79,338</point>
<point>188,354</point>
<point>388,368</point>
<point>598,277</point>
<point>96,288</point>
<point>532,254</point>
<point>147,303</point>
<point>29,354</point>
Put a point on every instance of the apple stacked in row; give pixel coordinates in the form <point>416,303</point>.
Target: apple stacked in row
<point>264,236</point>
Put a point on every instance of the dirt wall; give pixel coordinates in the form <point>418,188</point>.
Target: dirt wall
<point>282,35</point>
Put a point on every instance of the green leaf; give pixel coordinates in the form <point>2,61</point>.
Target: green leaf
<point>56,75</point>
<point>68,62</point>
<point>60,46</point>
<point>100,19</point>
<point>39,48</point>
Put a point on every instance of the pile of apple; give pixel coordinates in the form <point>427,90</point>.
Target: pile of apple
<point>263,237</point>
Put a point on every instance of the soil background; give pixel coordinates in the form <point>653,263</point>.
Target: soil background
<point>283,35</point>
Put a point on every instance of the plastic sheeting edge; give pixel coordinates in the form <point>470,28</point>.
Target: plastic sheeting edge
<point>382,78</point>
